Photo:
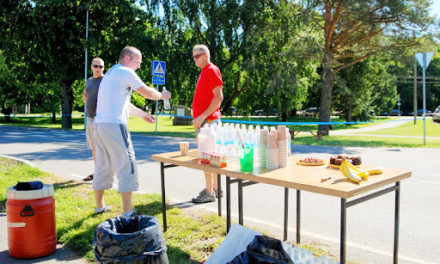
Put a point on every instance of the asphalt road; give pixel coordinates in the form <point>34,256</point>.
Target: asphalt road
<point>370,224</point>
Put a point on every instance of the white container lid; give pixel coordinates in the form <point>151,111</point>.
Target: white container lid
<point>46,191</point>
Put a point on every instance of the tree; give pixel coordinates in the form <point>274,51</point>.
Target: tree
<point>356,30</point>
<point>48,35</point>
<point>365,87</point>
<point>254,43</point>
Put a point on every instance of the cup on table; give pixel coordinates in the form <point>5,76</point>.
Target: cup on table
<point>246,158</point>
<point>184,148</point>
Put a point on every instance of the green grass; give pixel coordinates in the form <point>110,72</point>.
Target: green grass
<point>190,239</point>
<point>381,138</point>
<point>411,129</point>
<point>378,138</point>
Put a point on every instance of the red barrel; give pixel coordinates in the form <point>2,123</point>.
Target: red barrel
<point>31,222</point>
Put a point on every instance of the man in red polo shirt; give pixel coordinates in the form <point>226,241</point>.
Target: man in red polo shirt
<point>206,109</point>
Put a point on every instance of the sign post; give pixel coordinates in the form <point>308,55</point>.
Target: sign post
<point>424,59</point>
<point>158,78</point>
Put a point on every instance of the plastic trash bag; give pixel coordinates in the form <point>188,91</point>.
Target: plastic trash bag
<point>29,186</point>
<point>236,241</point>
<point>263,250</point>
<point>130,240</point>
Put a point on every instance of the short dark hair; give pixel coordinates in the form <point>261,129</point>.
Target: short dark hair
<point>130,51</point>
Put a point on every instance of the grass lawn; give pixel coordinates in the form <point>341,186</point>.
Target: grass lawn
<point>190,238</point>
<point>411,129</point>
<point>378,138</point>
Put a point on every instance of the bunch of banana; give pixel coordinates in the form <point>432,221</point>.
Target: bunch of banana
<point>356,174</point>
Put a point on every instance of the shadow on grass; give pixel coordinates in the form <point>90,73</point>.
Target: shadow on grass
<point>67,185</point>
<point>82,241</point>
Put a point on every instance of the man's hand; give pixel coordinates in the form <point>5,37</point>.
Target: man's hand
<point>148,118</point>
<point>198,121</point>
<point>165,95</point>
<point>141,113</point>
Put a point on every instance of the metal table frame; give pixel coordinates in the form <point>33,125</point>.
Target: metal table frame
<point>345,202</point>
<point>344,205</point>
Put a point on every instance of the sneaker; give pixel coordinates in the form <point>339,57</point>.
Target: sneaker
<point>218,194</point>
<point>106,208</point>
<point>133,213</point>
<point>204,197</point>
<point>88,178</point>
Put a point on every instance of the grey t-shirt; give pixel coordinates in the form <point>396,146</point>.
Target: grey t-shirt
<point>92,87</point>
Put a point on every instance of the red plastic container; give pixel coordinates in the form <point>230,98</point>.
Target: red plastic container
<point>31,222</point>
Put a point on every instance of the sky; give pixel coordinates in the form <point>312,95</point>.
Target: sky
<point>435,8</point>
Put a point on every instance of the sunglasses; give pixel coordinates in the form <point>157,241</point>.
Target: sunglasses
<point>198,55</point>
<point>98,66</point>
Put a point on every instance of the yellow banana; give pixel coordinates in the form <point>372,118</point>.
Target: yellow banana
<point>359,172</point>
<point>349,173</point>
<point>375,171</point>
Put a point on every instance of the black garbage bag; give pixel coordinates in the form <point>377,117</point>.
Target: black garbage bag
<point>263,250</point>
<point>29,186</point>
<point>130,240</point>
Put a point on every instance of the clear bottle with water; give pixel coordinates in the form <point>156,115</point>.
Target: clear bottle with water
<point>166,102</point>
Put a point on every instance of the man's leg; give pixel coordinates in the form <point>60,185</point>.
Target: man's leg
<point>127,202</point>
<point>94,156</point>
<point>211,182</point>
<point>99,197</point>
<point>208,179</point>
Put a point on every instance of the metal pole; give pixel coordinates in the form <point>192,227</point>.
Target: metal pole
<point>157,108</point>
<point>164,202</point>
<point>424,99</point>
<point>396,224</point>
<point>85,65</point>
<point>286,212</point>
<point>343,230</point>
<point>415,92</point>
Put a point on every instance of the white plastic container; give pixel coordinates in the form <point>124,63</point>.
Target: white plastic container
<point>205,140</point>
<point>166,102</point>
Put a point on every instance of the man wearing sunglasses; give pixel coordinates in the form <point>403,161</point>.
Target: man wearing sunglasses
<point>114,149</point>
<point>206,110</point>
<point>90,96</point>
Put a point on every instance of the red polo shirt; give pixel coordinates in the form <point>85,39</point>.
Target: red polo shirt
<point>210,77</point>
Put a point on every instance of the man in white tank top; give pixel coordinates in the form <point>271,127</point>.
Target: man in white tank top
<point>114,150</point>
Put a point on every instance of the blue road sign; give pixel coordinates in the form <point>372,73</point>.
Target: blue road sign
<point>158,80</point>
<point>158,68</point>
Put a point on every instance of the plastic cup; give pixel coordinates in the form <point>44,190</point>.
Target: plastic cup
<point>246,158</point>
<point>184,148</point>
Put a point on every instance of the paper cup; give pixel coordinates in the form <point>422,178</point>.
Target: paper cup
<point>184,148</point>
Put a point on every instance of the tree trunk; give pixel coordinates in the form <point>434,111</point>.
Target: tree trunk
<point>235,93</point>
<point>348,114</point>
<point>283,117</point>
<point>54,118</point>
<point>7,112</point>
<point>328,77</point>
<point>66,105</point>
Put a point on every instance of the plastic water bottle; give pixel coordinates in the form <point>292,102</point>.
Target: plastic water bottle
<point>166,102</point>
<point>206,140</point>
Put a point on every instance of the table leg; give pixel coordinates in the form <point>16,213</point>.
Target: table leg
<point>228,203</point>
<point>164,205</point>
<point>343,228</point>
<point>219,189</point>
<point>298,216</point>
<point>240,202</point>
<point>286,212</point>
<point>396,224</point>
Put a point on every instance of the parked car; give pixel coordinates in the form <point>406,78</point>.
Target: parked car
<point>311,112</point>
<point>436,114</point>
<point>396,112</point>
<point>260,112</point>
<point>420,112</point>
